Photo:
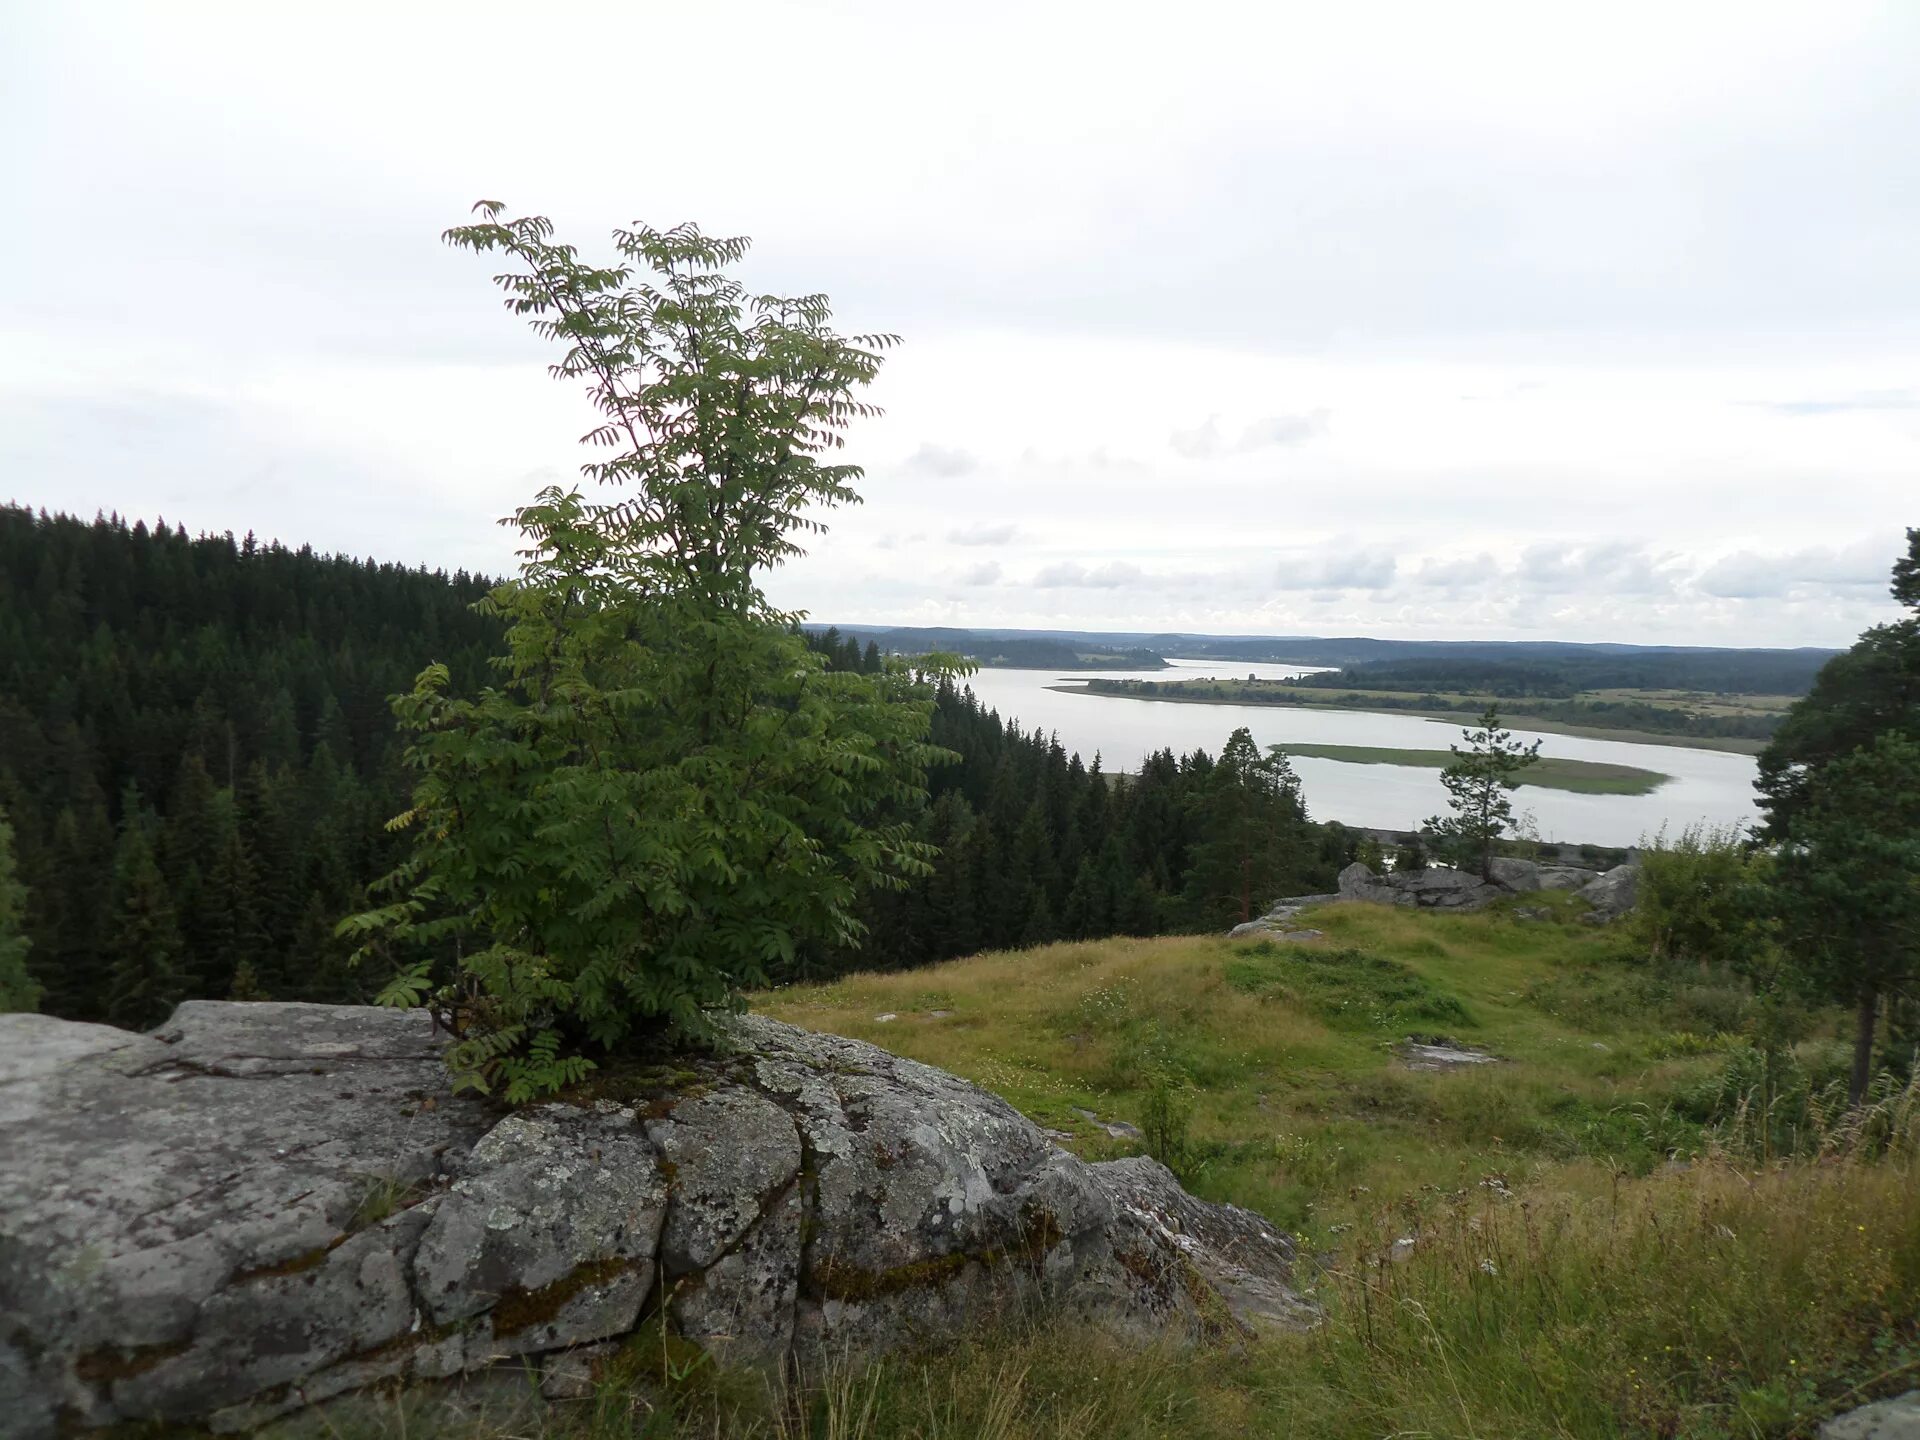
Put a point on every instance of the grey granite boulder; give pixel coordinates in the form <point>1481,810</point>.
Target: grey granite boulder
<point>1358,882</point>
<point>258,1207</point>
<point>1518,876</point>
<point>1613,894</point>
<point>1439,887</point>
<point>1895,1419</point>
<point>1564,877</point>
<point>1436,887</point>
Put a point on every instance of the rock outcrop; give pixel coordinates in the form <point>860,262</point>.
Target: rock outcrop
<point>1895,1419</point>
<point>1613,894</point>
<point>258,1207</point>
<point>1440,888</point>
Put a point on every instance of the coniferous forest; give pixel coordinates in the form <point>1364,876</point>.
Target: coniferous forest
<point>198,760</point>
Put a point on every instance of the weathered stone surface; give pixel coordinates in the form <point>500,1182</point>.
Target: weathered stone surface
<point>1439,887</point>
<point>548,1237</point>
<point>1422,1055</point>
<point>1613,894</point>
<point>1518,876</point>
<point>1358,882</point>
<point>261,1207</point>
<point>1278,922</point>
<point>154,1182</point>
<point>1896,1419</point>
<point>1564,877</point>
<point>1240,1255</point>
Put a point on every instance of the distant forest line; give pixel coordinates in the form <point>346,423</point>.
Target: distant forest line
<point>198,760</point>
<point>1530,667</point>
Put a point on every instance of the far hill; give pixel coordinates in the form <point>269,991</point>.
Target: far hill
<point>1429,664</point>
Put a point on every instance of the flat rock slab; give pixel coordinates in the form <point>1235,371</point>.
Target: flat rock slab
<point>263,1207</point>
<point>1417,1055</point>
<point>1896,1419</point>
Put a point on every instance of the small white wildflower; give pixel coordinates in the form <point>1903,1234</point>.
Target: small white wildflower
<point>1487,1267</point>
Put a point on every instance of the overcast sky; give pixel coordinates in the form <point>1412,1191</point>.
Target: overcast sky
<point>1582,321</point>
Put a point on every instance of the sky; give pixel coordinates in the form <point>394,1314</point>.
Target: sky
<point>1584,322</point>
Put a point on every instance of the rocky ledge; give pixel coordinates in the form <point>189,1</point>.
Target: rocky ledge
<point>261,1206</point>
<point>1608,895</point>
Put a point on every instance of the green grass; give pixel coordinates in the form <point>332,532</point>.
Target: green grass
<point>1550,772</point>
<point>1591,1260</point>
<point>1293,1044</point>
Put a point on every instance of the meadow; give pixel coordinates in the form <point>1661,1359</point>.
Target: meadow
<point>1649,1218</point>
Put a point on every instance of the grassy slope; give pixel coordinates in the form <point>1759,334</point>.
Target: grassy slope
<point>1549,772</point>
<point>1298,1096</point>
<point>1568,1280</point>
<point>1357,700</point>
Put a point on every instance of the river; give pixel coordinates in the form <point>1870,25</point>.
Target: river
<point>1707,785</point>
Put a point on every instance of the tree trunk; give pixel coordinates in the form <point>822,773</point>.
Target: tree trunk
<point>1865,1019</point>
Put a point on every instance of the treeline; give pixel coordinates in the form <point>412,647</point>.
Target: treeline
<point>1566,671</point>
<point>197,755</point>
<point>1600,714</point>
<point>1016,652</point>
<point>1037,845</point>
<point>1503,679</point>
<point>198,760</point>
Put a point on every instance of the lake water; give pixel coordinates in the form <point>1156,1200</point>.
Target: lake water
<point>1707,785</point>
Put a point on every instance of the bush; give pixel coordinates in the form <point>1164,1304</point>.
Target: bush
<point>1702,897</point>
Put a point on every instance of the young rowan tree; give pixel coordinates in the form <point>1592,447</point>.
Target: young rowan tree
<point>665,791</point>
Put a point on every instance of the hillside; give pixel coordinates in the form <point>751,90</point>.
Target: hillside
<point>1499,666</point>
<point>1606,1058</point>
<point>1597,1236</point>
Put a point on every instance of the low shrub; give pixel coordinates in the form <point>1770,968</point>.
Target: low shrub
<point>1702,898</point>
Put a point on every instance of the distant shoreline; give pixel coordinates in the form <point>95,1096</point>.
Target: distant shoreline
<point>1727,744</point>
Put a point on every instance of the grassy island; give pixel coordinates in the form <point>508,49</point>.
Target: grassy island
<point>1550,772</point>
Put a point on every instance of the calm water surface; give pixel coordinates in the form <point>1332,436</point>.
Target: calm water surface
<point>1708,785</point>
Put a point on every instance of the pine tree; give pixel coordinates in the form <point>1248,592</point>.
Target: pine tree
<point>1478,782</point>
<point>1846,884</point>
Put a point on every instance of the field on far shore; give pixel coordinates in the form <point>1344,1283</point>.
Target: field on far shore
<point>1549,772</point>
<point>1759,708</point>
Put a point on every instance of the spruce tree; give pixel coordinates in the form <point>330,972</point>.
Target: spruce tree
<point>143,947</point>
<point>18,989</point>
<point>1250,827</point>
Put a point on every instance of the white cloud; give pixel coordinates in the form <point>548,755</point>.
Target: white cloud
<point>943,462</point>
<point>983,533</point>
<point>1539,206</point>
<point>987,572</point>
<point>1205,441</point>
<point>1749,575</point>
<point>1113,575</point>
<point>1336,568</point>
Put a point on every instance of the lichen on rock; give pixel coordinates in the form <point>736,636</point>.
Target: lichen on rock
<point>191,1236</point>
